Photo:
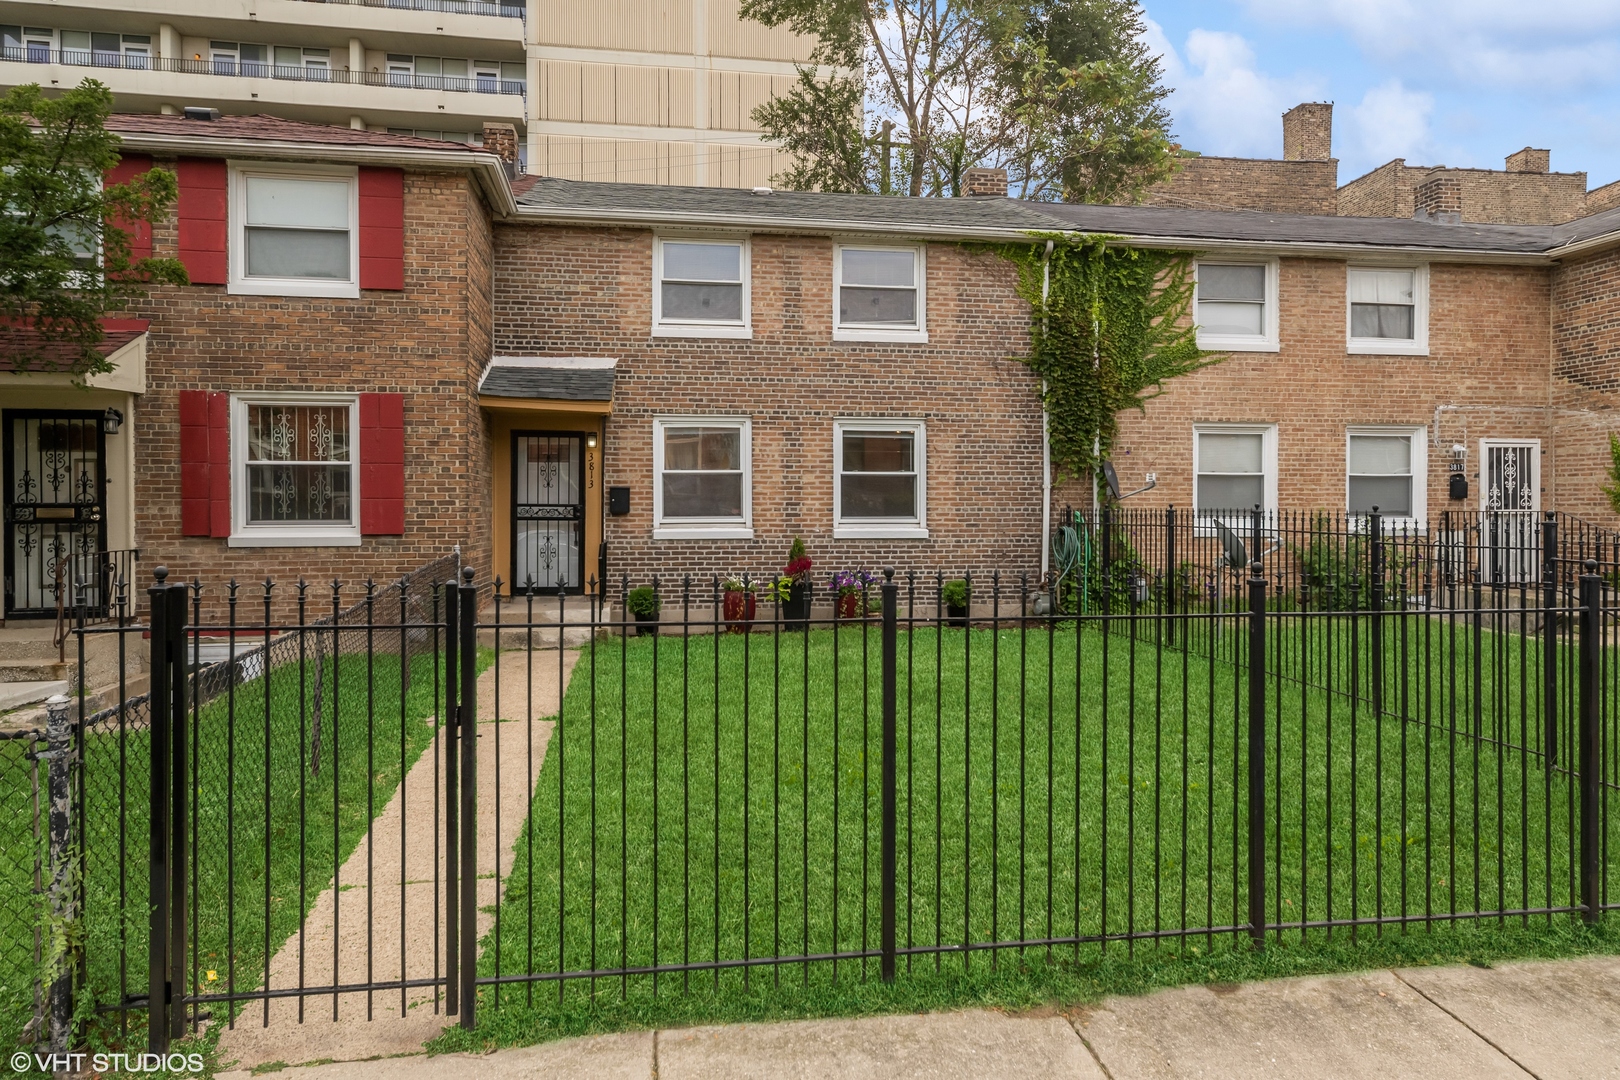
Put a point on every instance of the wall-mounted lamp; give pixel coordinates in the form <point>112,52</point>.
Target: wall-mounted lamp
<point>590,441</point>
<point>111,421</point>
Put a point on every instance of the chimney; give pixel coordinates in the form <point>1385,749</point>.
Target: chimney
<point>985,182</point>
<point>501,140</point>
<point>1529,160</point>
<point>1439,199</point>
<point>1308,132</point>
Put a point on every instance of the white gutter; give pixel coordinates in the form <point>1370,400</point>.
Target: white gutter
<point>1046,442</point>
<point>488,168</point>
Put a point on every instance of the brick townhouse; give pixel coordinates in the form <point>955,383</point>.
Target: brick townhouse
<point>389,348</point>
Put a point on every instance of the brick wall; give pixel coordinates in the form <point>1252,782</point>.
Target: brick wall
<point>1586,379</point>
<point>1220,183</point>
<point>585,292</point>
<point>1488,196</point>
<point>1488,335</point>
<point>426,342</point>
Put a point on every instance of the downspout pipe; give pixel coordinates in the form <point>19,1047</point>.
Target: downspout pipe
<point>1046,436</point>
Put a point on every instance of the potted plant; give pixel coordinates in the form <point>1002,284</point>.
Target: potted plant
<point>796,574</point>
<point>956,596</point>
<point>740,604</point>
<point>850,587</point>
<point>644,603</point>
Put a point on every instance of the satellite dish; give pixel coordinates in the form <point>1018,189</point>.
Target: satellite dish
<point>1232,549</point>
<point>1113,480</point>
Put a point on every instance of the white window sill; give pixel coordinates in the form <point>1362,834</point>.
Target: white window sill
<point>1375,347</point>
<point>1214,343</point>
<point>703,532</point>
<point>341,290</point>
<point>689,330</point>
<point>855,333</point>
<point>294,539</point>
<point>880,532</point>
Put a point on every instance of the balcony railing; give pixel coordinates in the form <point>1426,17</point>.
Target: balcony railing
<point>252,70</point>
<point>454,7</point>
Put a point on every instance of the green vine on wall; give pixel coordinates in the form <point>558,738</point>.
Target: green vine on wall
<point>1113,329</point>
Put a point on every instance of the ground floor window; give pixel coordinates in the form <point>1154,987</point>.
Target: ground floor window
<point>1385,469</point>
<point>1235,469</point>
<point>294,478</point>
<point>702,482</point>
<point>879,484</point>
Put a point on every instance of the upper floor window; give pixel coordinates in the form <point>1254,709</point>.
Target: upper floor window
<point>1388,310</point>
<point>700,288</point>
<point>878,293</point>
<point>1237,306</point>
<point>293,232</point>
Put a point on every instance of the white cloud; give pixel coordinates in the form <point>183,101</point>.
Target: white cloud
<point>1390,122</point>
<point>1497,43</point>
<point>1222,103</point>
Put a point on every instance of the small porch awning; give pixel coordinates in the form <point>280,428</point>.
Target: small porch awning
<point>581,380</point>
<point>123,343</point>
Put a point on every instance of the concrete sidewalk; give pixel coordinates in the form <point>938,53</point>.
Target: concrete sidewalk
<point>1552,1020</point>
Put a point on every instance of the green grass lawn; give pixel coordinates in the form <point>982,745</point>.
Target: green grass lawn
<point>263,814</point>
<point>718,799</point>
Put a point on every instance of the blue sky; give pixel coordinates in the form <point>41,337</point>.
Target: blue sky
<point>1438,82</point>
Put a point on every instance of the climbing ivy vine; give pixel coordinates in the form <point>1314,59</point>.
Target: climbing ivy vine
<point>1112,330</point>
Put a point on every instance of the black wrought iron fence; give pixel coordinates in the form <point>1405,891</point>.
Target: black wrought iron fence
<point>706,785</point>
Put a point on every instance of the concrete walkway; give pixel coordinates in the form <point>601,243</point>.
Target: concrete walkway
<point>404,874</point>
<point>1554,1020</point>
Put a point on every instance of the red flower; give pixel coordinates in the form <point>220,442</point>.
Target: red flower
<point>798,568</point>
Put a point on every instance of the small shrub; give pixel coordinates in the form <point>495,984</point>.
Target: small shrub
<point>955,593</point>
<point>643,601</point>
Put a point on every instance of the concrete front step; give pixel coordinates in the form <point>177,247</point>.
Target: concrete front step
<point>36,670</point>
<point>16,695</point>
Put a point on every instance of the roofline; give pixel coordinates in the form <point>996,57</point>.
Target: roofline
<point>489,168</point>
<point>1590,245</point>
<point>653,219</point>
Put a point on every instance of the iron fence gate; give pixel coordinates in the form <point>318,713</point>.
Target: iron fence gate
<point>1172,743</point>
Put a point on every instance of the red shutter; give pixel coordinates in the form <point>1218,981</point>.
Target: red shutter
<point>382,464</point>
<point>382,228</point>
<point>202,219</point>
<point>140,233</point>
<point>205,464</point>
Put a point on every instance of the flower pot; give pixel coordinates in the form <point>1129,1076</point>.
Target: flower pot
<point>956,616</point>
<point>646,624</point>
<point>739,610</point>
<point>796,608</point>
<point>851,605</point>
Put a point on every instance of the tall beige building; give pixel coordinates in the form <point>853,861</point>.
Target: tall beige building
<point>652,91</point>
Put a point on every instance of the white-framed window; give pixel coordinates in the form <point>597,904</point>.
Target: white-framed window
<point>294,477</point>
<point>1387,468</point>
<point>879,292</point>
<point>880,479</point>
<point>1236,305</point>
<point>294,232</point>
<point>700,287</point>
<point>1387,310</point>
<point>703,477</point>
<point>1234,470</point>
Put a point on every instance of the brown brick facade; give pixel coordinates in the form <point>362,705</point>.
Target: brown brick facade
<point>1586,379</point>
<point>1219,183</point>
<point>1488,196</point>
<point>427,342</point>
<point>582,292</point>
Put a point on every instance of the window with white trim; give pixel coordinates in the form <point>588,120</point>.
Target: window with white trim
<point>1388,309</point>
<point>702,482</point>
<point>1234,469</point>
<point>1386,469</point>
<point>295,233</point>
<point>878,293</point>
<point>700,288</point>
<point>879,479</point>
<point>294,480</point>
<point>1236,306</point>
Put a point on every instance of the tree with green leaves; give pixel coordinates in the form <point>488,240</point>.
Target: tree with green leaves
<point>1063,94</point>
<point>65,254</point>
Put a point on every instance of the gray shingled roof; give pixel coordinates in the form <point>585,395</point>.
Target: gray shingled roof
<point>556,383</point>
<point>990,217</point>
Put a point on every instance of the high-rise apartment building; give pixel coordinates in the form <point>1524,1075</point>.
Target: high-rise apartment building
<point>649,91</point>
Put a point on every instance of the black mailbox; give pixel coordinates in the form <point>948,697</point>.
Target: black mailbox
<point>618,501</point>
<point>1459,486</point>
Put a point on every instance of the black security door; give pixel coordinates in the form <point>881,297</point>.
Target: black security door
<point>55,505</point>
<point>548,511</point>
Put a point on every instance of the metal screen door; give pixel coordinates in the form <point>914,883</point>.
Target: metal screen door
<point>1510,495</point>
<point>548,512</point>
<point>55,477</point>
